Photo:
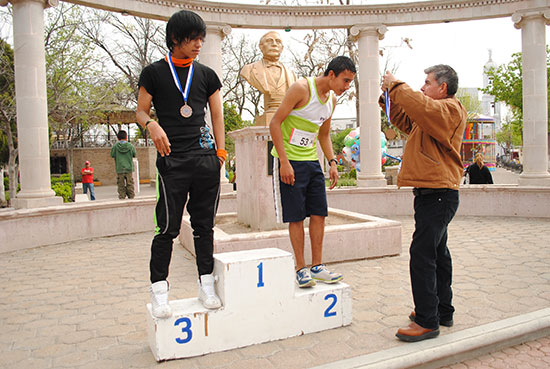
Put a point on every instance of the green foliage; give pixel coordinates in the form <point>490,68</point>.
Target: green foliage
<point>62,186</point>
<point>343,182</point>
<point>507,85</point>
<point>7,99</point>
<point>509,135</point>
<point>233,121</point>
<point>470,103</point>
<point>338,140</point>
<point>352,174</point>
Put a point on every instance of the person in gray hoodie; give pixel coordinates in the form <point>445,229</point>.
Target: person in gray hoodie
<point>123,152</point>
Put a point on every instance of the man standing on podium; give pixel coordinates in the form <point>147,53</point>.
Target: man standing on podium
<point>189,157</point>
<point>304,117</point>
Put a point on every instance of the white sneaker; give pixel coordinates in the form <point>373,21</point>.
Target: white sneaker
<point>207,292</point>
<point>159,300</point>
<point>321,273</point>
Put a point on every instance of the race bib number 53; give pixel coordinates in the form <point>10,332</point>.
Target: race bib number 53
<point>302,138</point>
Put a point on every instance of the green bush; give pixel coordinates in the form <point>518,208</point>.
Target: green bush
<point>343,182</point>
<point>63,187</point>
<point>352,174</point>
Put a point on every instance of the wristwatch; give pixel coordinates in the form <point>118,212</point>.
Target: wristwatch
<point>333,160</point>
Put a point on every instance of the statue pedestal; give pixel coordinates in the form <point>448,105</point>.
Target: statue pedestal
<point>255,190</point>
<point>264,119</point>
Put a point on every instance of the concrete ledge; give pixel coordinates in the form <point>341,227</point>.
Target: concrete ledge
<point>363,237</point>
<point>27,228</point>
<point>456,347</point>
<point>475,200</point>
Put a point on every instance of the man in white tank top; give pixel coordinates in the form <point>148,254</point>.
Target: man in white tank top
<point>304,117</point>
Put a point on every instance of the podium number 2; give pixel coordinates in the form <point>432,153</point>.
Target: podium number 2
<point>260,274</point>
<point>186,329</point>
<point>328,312</point>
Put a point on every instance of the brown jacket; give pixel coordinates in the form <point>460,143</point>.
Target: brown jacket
<point>435,129</point>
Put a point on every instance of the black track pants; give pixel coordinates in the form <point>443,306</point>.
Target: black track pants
<point>196,177</point>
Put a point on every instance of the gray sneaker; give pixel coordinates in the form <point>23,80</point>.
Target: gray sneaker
<point>321,273</point>
<point>303,278</point>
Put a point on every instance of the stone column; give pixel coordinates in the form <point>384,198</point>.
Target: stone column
<point>369,111</point>
<point>32,108</point>
<point>255,205</point>
<point>535,97</point>
<point>211,55</point>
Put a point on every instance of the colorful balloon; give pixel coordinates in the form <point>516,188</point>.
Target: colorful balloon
<point>352,148</point>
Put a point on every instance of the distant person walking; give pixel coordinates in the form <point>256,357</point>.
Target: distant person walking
<point>123,152</point>
<point>478,172</point>
<point>88,179</point>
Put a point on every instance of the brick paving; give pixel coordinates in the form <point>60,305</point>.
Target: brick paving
<point>534,354</point>
<point>82,304</point>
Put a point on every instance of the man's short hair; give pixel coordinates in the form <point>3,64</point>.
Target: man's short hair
<point>444,73</point>
<point>122,135</point>
<point>184,26</point>
<point>340,64</point>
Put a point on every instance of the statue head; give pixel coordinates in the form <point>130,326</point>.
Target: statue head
<point>271,46</point>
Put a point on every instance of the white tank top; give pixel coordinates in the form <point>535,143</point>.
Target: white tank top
<point>315,111</point>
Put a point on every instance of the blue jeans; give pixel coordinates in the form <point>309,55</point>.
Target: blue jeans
<point>430,260</point>
<point>85,187</point>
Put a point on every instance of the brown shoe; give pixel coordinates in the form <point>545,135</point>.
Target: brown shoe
<point>445,323</point>
<point>414,333</point>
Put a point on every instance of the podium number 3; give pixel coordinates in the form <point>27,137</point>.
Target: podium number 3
<point>260,274</point>
<point>186,329</point>
<point>328,312</point>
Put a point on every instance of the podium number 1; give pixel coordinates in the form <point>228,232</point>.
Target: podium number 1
<point>260,274</point>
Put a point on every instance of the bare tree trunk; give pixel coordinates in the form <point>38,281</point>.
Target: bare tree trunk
<point>12,164</point>
<point>3,202</point>
<point>70,159</point>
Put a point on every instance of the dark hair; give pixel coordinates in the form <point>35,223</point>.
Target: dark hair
<point>184,26</point>
<point>122,135</point>
<point>340,64</point>
<point>444,73</point>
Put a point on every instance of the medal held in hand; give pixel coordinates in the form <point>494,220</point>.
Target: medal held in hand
<point>185,110</point>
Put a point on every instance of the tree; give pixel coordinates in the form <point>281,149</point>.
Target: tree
<point>507,86</point>
<point>237,92</point>
<point>471,103</point>
<point>137,43</point>
<point>8,136</point>
<point>338,140</point>
<point>233,121</point>
<point>77,91</point>
<point>508,136</point>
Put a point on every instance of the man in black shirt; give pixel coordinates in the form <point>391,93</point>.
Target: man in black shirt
<point>189,155</point>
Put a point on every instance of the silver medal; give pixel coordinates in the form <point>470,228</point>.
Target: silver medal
<point>186,111</point>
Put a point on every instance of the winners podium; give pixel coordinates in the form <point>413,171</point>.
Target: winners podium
<point>260,302</point>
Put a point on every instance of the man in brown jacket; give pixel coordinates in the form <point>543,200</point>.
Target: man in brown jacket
<point>434,120</point>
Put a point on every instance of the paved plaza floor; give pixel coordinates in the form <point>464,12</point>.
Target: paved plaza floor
<point>82,304</point>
